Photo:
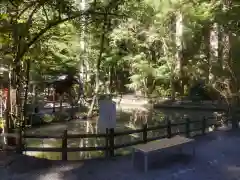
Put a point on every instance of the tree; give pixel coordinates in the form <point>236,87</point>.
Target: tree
<point>23,24</point>
<point>159,48</point>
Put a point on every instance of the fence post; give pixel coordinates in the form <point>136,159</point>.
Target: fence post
<point>204,123</point>
<point>144,133</point>
<point>169,128</point>
<point>64,146</point>
<point>111,142</point>
<point>19,141</point>
<point>107,143</point>
<point>187,127</point>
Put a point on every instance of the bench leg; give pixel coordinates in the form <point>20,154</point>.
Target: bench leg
<point>145,163</point>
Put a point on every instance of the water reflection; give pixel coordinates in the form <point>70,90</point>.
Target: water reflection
<point>131,119</point>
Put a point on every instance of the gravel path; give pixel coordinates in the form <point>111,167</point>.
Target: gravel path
<point>217,158</point>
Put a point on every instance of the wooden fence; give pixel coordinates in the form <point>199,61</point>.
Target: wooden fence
<point>109,137</point>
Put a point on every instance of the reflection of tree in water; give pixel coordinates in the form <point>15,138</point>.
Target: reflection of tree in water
<point>85,127</point>
<point>130,120</point>
<point>137,118</point>
<point>90,128</point>
<point>159,117</point>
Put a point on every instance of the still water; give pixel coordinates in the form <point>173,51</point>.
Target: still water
<point>126,120</point>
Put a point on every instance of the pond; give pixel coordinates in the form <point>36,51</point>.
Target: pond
<point>132,118</point>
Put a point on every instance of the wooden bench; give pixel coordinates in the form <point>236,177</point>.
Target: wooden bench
<point>145,155</point>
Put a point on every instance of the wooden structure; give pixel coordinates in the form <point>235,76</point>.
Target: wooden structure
<point>62,85</point>
<point>109,137</point>
<point>145,155</point>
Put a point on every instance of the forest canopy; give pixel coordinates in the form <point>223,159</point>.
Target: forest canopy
<point>156,47</point>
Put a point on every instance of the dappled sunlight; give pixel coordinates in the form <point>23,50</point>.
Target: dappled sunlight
<point>214,160</point>
<point>170,66</point>
<point>48,176</point>
<point>57,172</point>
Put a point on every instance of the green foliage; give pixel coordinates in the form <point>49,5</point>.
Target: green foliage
<point>1,123</point>
<point>58,53</point>
<point>139,50</point>
<point>57,117</point>
<point>47,118</point>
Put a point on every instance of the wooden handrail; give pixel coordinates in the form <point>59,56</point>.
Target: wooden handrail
<point>128,132</point>
<point>59,149</point>
<point>38,136</point>
<point>72,136</point>
<point>109,137</point>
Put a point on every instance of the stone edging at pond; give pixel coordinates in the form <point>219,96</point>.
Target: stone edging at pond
<point>202,106</point>
<point>36,119</point>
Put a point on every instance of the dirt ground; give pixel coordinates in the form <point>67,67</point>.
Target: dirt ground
<point>217,158</point>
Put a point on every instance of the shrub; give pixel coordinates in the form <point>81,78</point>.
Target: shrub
<point>47,118</point>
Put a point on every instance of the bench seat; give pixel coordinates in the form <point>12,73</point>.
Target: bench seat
<point>145,155</point>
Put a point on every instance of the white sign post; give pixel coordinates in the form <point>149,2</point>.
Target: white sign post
<point>107,115</point>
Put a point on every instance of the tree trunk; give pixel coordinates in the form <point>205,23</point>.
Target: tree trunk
<point>54,101</point>
<point>61,102</point>
<point>207,49</point>
<point>6,128</point>
<point>98,63</point>
<point>18,90</point>
<point>234,118</point>
<point>26,90</point>
<point>214,56</point>
<point>233,84</point>
<point>179,49</point>
<point>110,79</point>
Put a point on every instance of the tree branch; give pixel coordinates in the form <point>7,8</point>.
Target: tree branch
<point>28,25</point>
<point>53,24</point>
<point>12,3</point>
<point>45,12</point>
<point>25,9</point>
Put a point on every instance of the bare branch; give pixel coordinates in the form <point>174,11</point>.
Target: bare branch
<point>45,12</point>
<point>28,25</point>
<point>53,24</point>
<point>25,9</point>
<point>32,13</point>
<point>12,3</point>
<point>231,72</point>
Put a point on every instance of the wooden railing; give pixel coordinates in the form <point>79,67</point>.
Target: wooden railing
<point>109,137</point>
